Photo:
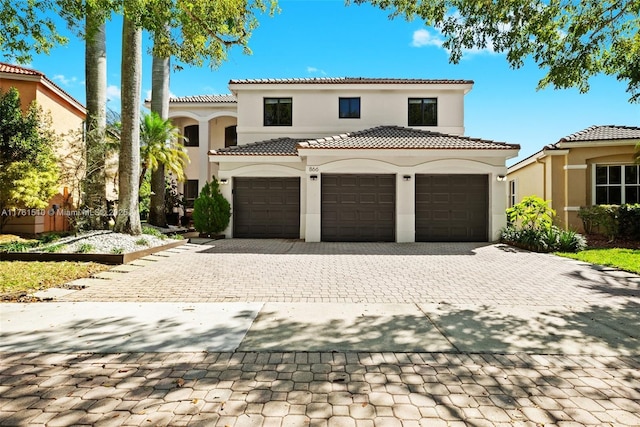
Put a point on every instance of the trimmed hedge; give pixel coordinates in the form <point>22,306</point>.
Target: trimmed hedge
<point>613,221</point>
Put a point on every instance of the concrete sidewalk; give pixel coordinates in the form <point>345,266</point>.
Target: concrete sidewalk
<point>255,327</point>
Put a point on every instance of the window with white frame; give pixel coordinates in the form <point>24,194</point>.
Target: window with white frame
<point>617,184</point>
<point>512,193</point>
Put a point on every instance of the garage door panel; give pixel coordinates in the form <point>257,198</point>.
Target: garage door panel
<point>266,208</point>
<point>451,207</point>
<point>365,207</point>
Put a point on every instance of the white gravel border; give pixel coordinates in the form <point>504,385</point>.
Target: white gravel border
<point>106,242</point>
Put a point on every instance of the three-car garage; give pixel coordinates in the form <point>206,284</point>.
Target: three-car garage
<point>362,207</point>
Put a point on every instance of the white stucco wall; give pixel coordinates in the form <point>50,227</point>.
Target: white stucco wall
<point>315,108</point>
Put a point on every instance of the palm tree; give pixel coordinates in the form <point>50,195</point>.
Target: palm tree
<point>128,218</point>
<point>159,146</point>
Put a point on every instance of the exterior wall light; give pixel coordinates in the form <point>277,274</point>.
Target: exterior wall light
<point>313,177</point>
<point>501,178</point>
<point>224,181</point>
<point>406,177</point>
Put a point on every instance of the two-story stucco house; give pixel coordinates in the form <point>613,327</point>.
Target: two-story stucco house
<point>67,121</point>
<point>594,166</point>
<point>346,159</point>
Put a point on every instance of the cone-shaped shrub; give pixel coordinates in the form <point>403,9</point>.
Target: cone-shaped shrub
<point>211,211</point>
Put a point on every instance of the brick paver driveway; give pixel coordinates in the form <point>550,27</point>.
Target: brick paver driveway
<point>505,338</point>
<point>294,271</point>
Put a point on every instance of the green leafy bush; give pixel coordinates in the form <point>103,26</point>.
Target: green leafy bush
<point>613,221</point>
<point>629,221</point>
<point>211,211</point>
<point>531,227</point>
<point>153,232</point>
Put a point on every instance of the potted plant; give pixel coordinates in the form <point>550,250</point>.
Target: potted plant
<point>211,211</point>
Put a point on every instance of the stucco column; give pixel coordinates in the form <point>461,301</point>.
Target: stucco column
<point>497,203</point>
<point>312,223</point>
<point>203,157</point>
<point>405,208</point>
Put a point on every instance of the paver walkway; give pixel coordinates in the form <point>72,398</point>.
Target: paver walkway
<point>395,335</point>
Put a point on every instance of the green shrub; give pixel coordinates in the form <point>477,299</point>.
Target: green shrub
<point>152,232</point>
<point>612,221</point>
<point>629,221</point>
<point>54,248</point>
<point>18,246</point>
<point>531,213</point>
<point>531,227</point>
<point>142,242</point>
<point>85,248</point>
<point>211,211</point>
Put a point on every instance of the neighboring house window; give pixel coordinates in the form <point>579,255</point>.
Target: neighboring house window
<point>349,108</point>
<point>278,111</point>
<point>192,136</point>
<point>512,193</point>
<point>616,185</point>
<point>190,192</point>
<point>423,111</point>
<point>230,136</point>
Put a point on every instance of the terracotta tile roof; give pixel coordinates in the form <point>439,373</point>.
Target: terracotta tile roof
<point>16,69</point>
<point>271,147</point>
<point>396,137</point>
<point>383,137</point>
<point>348,80</point>
<point>602,133</point>
<point>205,99</point>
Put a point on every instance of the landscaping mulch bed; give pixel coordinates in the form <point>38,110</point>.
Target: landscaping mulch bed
<point>598,241</point>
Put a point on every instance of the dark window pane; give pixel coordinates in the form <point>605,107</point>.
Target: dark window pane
<point>192,136</point>
<point>601,175</point>
<point>632,194</point>
<point>601,196</point>
<point>631,174</point>
<point>190,192</point>
<point>349,108</point>
<point>423,112</point>
<point>277,111</point>
<point>615,195</point>
<point>230,136</point>
<point>615,174</point>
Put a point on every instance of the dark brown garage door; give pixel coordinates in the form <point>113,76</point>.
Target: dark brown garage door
<point>358,208</point>
<point>452,208</point>
<point>266,208</point>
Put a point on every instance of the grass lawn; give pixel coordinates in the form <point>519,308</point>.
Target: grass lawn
<point>18,277</point>
<point>624,259</point>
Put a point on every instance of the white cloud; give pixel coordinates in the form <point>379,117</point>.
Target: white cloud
<point>113,93</point>
<point>148,95</point>
<point>423,37</point>
<point>65,81</point>
<point>314,70</point>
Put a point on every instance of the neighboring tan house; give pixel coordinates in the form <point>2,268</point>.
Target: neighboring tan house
<point>347,159</point>
<point>592,167</point>
<point>67,116</point>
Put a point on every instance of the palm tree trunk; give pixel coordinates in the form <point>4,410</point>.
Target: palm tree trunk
<point>128,219</point>
<point>159,104</point>
<point>96,121</point>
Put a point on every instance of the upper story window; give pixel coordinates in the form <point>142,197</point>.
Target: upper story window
<point>349,108</point>
<point>230,136</point>
<point>617,185</point>
<point>192,136</point>
<point>278,112</point>
<point>423,111</point>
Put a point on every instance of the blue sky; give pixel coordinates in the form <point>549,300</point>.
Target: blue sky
<point>328,39</point>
